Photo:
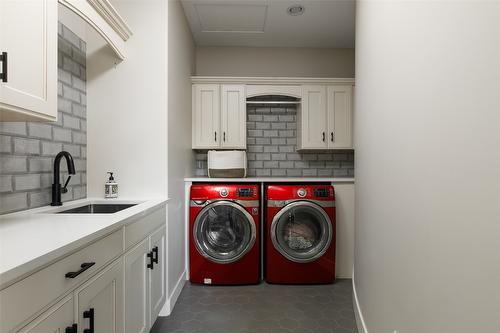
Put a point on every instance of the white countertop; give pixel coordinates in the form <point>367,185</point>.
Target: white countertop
<point>271,180</point>
<point>34,238</point>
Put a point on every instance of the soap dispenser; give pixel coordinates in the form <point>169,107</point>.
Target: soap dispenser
<point>111,187</point>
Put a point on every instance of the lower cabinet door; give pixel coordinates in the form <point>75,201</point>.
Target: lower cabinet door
<point>99,301</point>
<point>137,288</point>
<point>157,274</point>
<point>54,320</point>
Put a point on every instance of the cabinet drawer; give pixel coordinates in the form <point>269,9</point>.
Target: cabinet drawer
<point>140,229</point>
<point>29,296</point>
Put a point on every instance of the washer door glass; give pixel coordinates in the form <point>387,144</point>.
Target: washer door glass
<point>301,231</point>
<point>224,232</point>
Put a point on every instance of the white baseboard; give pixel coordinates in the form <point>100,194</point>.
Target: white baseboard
<point>360,321</point>
<point>172,299</point>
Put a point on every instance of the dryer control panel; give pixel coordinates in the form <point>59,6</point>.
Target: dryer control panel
<point>304,192</point>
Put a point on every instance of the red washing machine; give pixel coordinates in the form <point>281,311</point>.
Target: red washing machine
<point>224,234</point>
<point>300,234</point>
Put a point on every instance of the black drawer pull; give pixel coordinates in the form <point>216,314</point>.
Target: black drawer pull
<point>84,267</point>
<point>151,260</point>
<point>3,59</point>
<point>72,329</point>
<point>155,252</point>
<point>90,315</point>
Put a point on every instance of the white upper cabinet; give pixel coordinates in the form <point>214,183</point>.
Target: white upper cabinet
<point>313,118</point>
<point>324,115</point>
<point>28,52</point>
<point>206,116</point>
<point>325,119</point>
<point>233,116</point>
<point>340,117</point>
<point>28,88</point>
<point>219,116</point>
<point>105,20</point>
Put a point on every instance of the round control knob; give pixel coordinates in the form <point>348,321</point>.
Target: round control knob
<point>301,192</point>
<point>223,192</point>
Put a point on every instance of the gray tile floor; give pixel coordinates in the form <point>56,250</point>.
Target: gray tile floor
<point>262,308</point>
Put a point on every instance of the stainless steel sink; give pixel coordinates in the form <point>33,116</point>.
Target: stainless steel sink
<point>97,209</point>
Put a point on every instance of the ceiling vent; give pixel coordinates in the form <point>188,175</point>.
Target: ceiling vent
<point>295,10</point>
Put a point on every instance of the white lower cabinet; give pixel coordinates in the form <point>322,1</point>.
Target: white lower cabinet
<point>136,288</point>
<point>116,284</point>
<point>158,282</point>
<point>99,301</point>
<point>58,319</point>
<point>145,282</point>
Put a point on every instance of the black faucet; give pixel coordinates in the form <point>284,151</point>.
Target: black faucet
<point>56,186</point>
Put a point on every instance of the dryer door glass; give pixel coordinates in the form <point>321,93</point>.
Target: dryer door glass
<point>301,231</point>
<point>224,232</point>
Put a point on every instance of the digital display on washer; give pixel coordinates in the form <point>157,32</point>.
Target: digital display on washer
<point>321,192</point>
<point>245,192</point>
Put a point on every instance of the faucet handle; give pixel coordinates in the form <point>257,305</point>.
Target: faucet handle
<point>64,189</point>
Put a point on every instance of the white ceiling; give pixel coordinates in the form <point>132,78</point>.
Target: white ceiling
<point>325,23</point>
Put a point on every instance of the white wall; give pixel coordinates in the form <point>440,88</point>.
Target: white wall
<point>181,51</point>
<point>427,166</point>
<point>127,106</point>
<point>344,203</point>
<point>270,61</point>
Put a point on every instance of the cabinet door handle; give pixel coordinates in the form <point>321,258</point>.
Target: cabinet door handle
<point>3,59</point>
<point>90,315</point>
<point>72,329</point>
<point>83,268</point>
<point>215,135</point>
<point>224,136</point>
<point>331,136</point>
<point>151,260</point>
<point>155,254</point>
<point>323,136</point>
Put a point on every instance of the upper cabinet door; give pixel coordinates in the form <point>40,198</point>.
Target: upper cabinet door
<point>313,119</point>
<point>340,117</point>
<point>28,35</point>
<point>233,116</point>
<point>206,116</point>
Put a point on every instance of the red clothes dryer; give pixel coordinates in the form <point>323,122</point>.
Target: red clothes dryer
<point>300,234</point>
<point>224,234</point>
